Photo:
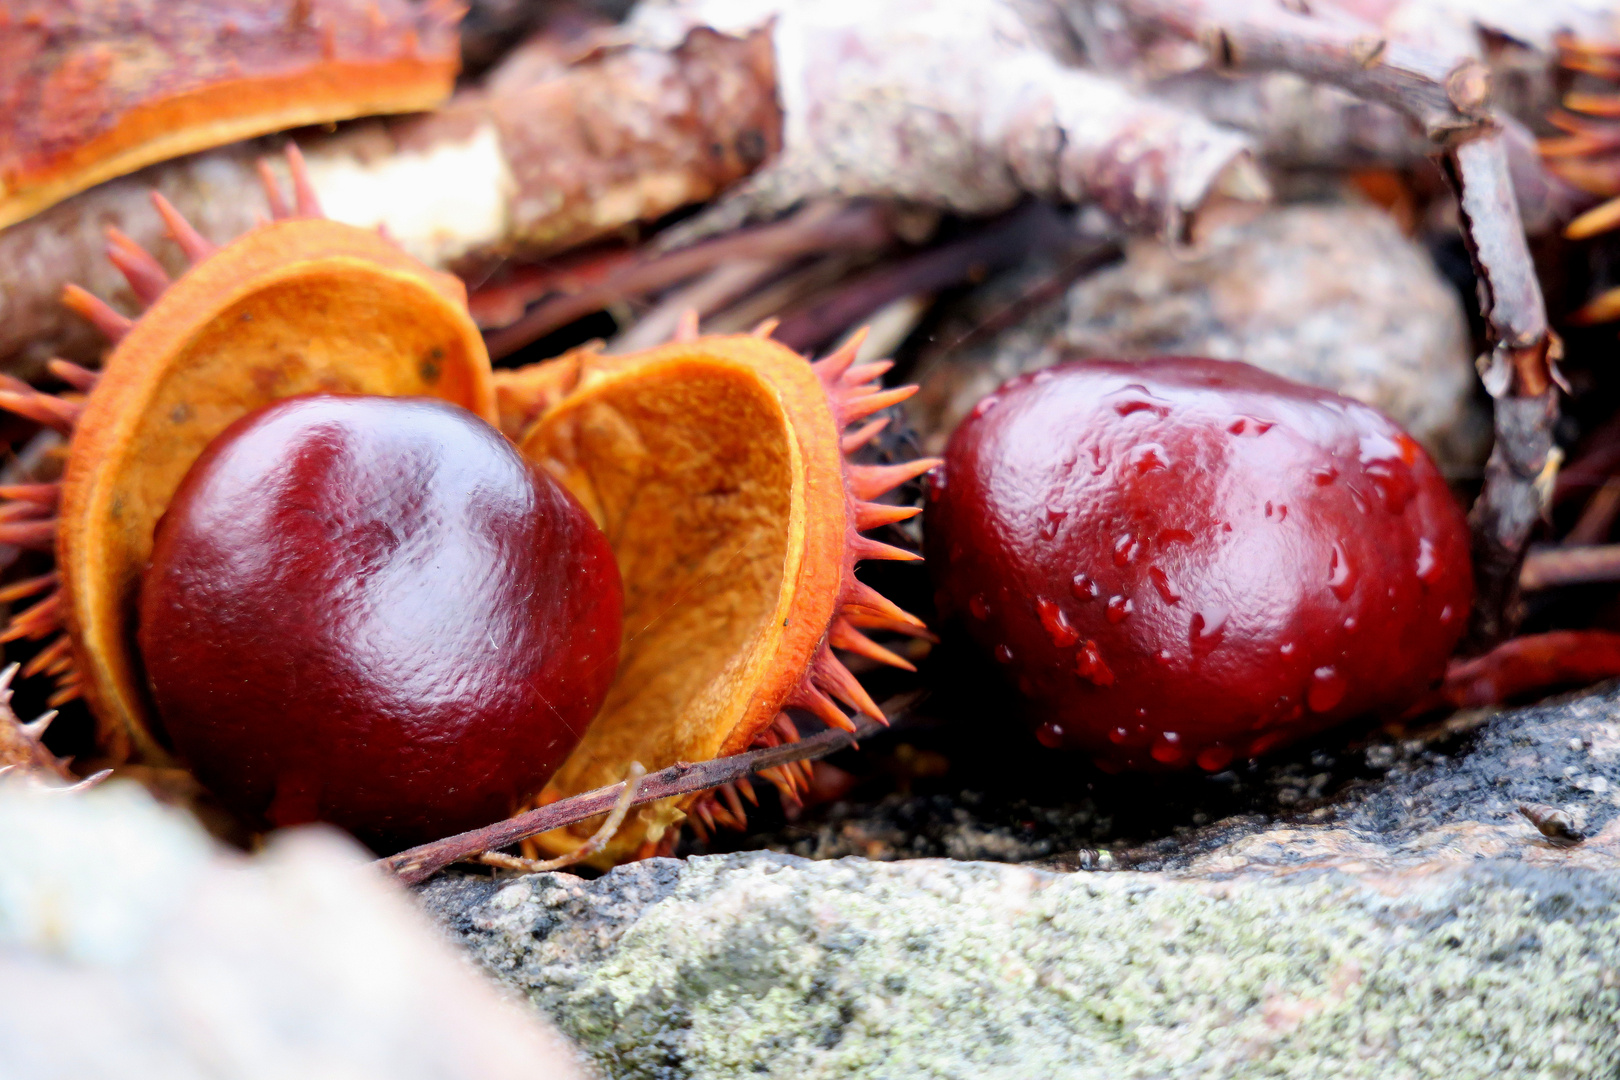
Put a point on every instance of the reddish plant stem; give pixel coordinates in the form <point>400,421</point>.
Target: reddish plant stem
<point>1533,664</point>
<point>498,303</point>
<point>420,863</point>
<point>995,246</point>
<point>818,228</point>
<point>1545,568</point>
<point>1595,461</point>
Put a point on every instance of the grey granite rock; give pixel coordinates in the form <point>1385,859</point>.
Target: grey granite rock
<point>1449,790</point>
<point>1383,912</point>
<point>1327,294</point>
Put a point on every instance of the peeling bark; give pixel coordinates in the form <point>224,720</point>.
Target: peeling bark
<point>98,88</point>
<point>963,105</point>
<point>606,137</point>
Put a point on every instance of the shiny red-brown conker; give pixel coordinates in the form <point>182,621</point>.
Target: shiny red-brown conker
<point>1185,562</point>
<point>374,612</point>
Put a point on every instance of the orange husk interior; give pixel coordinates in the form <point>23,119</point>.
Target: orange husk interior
<point>716,469</point>
<point>293,307</point>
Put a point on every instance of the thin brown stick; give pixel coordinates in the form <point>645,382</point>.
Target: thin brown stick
<point>1447,96</point>
<point>1545,568</point>
<point>724,285</point>
<point>1044,291</point>
<point>417,864</point>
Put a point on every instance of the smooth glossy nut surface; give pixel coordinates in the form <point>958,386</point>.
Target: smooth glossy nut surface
<point>1184,562</point>
<point>374,612</point>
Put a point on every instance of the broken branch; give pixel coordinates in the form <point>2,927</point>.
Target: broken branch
<point>618,136</point>
<point>1520,373</point>
<point>1447,97</point>
<point>960,105</point>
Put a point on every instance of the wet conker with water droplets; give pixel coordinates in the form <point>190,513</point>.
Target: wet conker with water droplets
<point>1182,562</point>
<point>374,612</point>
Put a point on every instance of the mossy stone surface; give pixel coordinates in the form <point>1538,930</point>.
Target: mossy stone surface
<point>1410,923</point>
<point>768,965</point>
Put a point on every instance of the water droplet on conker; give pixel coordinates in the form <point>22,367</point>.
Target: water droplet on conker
<point>1429,570</point>
<point>1341,575</point>
<point>1089,665</point>
<point>1326,690</point>
<point>1056,623</point>
<point>1161,582</point>
<point>1167,748</point>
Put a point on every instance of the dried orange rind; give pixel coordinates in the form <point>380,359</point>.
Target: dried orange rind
<point>298,305</point>
<point>100,88</point>
<point>717,469</point>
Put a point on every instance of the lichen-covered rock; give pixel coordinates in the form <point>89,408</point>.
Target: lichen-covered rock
<point>133,947</point>
<point>1381,911</point>
<point>1331,295</point>
<point>767,965</point>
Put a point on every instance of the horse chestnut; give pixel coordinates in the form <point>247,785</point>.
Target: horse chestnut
<point>1189,561</point>
<point>374,612</point>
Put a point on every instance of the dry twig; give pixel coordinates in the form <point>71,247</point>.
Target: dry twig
<point>1449,98</point>
<point>1520,374</point>
<point>420,863</point>
<point>994,246</point>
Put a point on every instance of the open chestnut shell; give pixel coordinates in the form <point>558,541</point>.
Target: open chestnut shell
<point>1184,561</point>
<point>716,467</point>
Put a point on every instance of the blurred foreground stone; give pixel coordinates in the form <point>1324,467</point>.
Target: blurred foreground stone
<point>133,948</point>
<point>1410,925</point>
<point>1331,295</point>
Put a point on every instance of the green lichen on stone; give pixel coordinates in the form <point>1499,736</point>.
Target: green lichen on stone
<point>766,966</point>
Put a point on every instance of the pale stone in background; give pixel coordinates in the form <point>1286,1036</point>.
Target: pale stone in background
<point>131,947</point>
<point>1331,295</point>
